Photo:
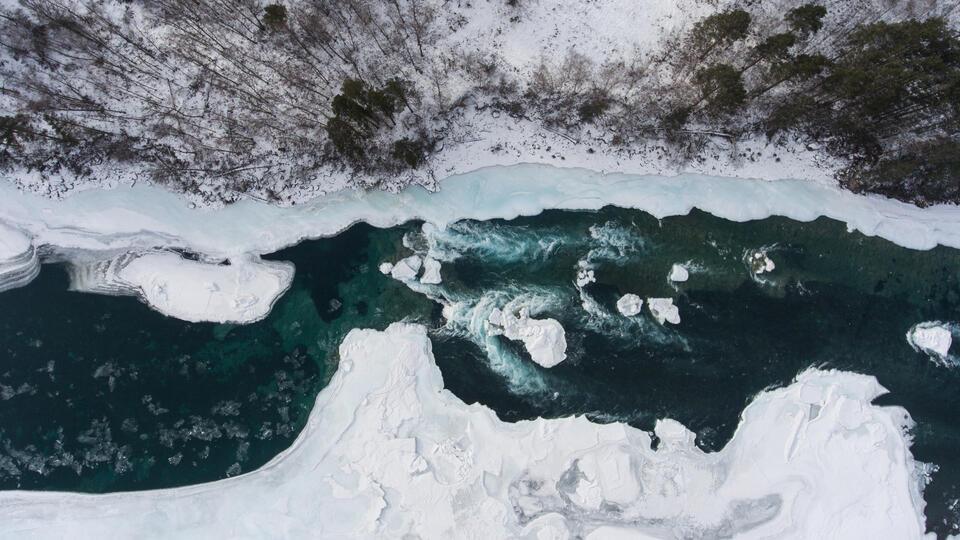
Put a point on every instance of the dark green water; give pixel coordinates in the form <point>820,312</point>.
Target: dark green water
<point>236,396</point>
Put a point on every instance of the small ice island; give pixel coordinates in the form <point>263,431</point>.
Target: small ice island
<point>544,339</point>
<point>933,338</point>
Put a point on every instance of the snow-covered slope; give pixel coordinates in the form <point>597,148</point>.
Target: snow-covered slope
<point>19,263</point>
<point>387,453</point>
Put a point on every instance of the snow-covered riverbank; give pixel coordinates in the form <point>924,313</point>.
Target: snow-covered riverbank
<point>101,224</point>
<point>387,452</point>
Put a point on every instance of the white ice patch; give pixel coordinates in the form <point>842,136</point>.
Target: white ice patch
<point>242,291</point>
<point>585,277</point>
<point>407,269</point>
<point>933,338</point>
<point>431,272</point>
<point>389,453</point>
<point>761,263</point>
<point>663,310</point>
<point>629,305</point>
<point>678,273</point>
<point>19,263</point>
<point>385,268</point>
<point>544,339</point>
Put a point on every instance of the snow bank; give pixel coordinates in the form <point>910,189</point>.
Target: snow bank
<point>678,273</point>
<point>242,291</point>
<point>19,263</point>
<point>544,339</point>
<point>629,305</point>
<point>933,338</point>
<point>663,310</point>
<point>388,453</point>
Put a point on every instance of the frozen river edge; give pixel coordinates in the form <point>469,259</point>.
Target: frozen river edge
<point>99,228</point>
<point>387,452</point>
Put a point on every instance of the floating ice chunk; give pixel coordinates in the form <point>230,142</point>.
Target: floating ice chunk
<point>933,338</point>
<point>678,273</point>
<point>629,305</point>
<point>385,268</point>
<point>451,469</point>
<point>407,269</point>
<point>241,292</point>
<point>663,309</point>
<point>585,277</point>
<point>431,272</point>
<point>19,263</point>
<point>760,262</point>
<point>544,339</point>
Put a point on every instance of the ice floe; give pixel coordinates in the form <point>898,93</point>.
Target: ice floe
<point>760,262</point>
<point>585,277</point>
<point>406,269</point>
<point>243,290</point>
<point>385,268</point>
<point>544,339</point>
<point>431,272</point>
<point>629,305</point>
<point>389,453</point>
<point>663,310</point>
<point>19,263</point>
<point>678,273</point>
<point>933,338</point>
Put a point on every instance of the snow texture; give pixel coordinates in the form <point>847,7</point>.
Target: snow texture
<point>629,305</point>
<point>544,339</point>
<point>663,310</point>
<point>407,269</point>
<point>431,272</point>
<point>389,453</point>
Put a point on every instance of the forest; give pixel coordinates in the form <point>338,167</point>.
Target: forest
<point>235,92</point>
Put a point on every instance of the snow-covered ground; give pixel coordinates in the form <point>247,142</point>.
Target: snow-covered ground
<point>388,453</point>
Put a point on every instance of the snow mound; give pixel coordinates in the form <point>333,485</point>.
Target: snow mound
<point>242,291</point>
<point>629,305</point>
<point>678,273</point>
<point>544,339</point>
<point>431,272</point>
<point>19,263</point>
<point>389,453</point>
<point>663,310</point>
<point>933,338</point>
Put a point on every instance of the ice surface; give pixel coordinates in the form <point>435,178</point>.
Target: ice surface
<point>242,291</point>
<point>388,453</point>
<point>585,277</point>
<point>663,310</point>
<point>544,339</point>
<point>761,263</point>
<point>678,273</point>
<point>407,269</point>
<point>933,338</point>
<point>629,305</point>
<point>19,263</point>
<point>431,272</point>
<point>143,218</point>
<point>386,268</point>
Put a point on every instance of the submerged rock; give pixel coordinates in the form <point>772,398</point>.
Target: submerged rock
<point>629,305</point>
<point>663,310</point>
